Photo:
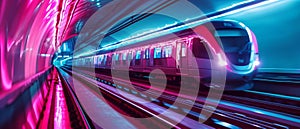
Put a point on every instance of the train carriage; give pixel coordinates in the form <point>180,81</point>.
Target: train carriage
<point>215,45</point>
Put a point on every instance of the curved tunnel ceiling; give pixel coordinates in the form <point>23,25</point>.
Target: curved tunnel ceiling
<point>86,8</point>
<point>112,14</point>
<point>32,30</point>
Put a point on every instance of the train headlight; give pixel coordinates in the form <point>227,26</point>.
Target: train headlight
<point>222,63</point>
<point>256,62</point>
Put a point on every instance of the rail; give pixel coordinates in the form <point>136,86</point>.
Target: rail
<point>74,107</point>
<point>236,113</point>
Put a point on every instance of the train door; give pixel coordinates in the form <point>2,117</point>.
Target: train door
<point>201,51</point>
<point>181,54</point>
<point>108,61</point>
<point>138,60</point>
<point>158,60</point>
<point>151,62</point>
<point>95,61</point>
<point>146,57</point>
<point>167,55</point>
<point>130,58</point>
<point>124,59</point>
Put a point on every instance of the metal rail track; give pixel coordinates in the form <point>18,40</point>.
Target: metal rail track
<point>133,109</point>
<point>235,117</point>
<point>77,115</point>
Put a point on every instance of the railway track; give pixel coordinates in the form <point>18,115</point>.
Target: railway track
<point>223,113</point>
<point>267,102</point>
<point>75,112</point>
<point>136,110</point>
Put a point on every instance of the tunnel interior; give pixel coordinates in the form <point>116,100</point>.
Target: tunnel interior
<point>38,39</point>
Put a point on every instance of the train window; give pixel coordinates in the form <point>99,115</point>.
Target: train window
<point>230,33</point>
<point>146,54</point>
<point>183,50</point>
<point>130,55</point>
<point>95,60</point>
<point>157,52</point>
<point>138,55</point>
<point>167,51</point>
<point>86,61</point>
<point>124,56</point>
<point>104,59</point>
<point>91,60</point>
<point>112,57</point>
<point>116,57</point>
<point>232,40</point>
<point>100,59</point>
<point>199,49</point>
<point>109,59</point>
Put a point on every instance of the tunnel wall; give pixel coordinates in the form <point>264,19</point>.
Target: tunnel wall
<point>27,42</point>
<point>25,106</point>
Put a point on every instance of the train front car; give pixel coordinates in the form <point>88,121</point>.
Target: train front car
<point>240,52</point>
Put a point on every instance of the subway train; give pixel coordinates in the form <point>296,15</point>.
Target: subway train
<point>207,48</point>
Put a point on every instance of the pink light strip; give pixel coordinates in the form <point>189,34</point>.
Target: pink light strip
<point>61,119</point>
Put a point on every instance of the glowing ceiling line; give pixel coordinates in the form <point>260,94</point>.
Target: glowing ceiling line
<point>71,16</point>
<point>54,25</point>
<point>203,19</point>
<point>192,24</point>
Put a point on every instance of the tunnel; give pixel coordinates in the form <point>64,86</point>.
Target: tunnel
<point>115,64</point>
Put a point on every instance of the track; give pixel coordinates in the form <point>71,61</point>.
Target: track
<point>136,110</point>
<point>279,104</point>
<point>224,113</point>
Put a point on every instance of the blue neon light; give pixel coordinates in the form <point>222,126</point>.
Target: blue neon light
<point>275,95</point>
<point>256,110</point>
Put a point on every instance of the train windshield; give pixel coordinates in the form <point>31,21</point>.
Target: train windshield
<point>232,40</point>
<point>235,43</point>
